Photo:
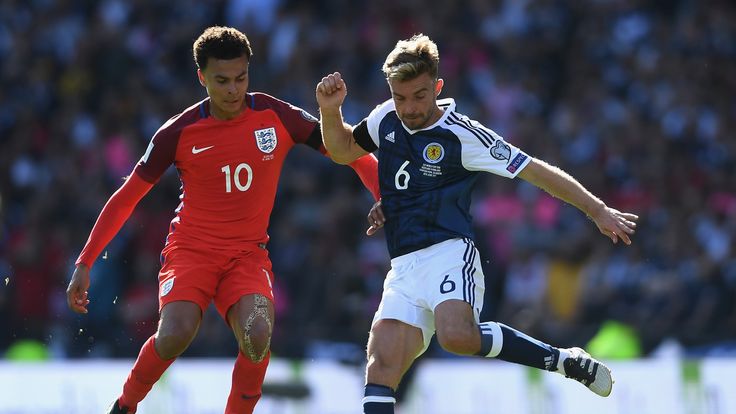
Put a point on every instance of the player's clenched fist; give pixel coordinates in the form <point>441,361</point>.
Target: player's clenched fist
<point>331,91</point>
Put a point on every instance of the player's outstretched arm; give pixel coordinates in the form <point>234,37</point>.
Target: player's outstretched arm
<point>336,134</point>
<point>112,217</point>
<point>611,222</point>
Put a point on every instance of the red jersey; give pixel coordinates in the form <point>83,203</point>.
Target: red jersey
<point>229,170</point>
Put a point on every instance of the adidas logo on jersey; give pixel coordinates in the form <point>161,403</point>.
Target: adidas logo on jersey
<point>390,137</point>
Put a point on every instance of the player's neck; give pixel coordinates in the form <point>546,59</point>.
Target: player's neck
<point>437,113</point>
<point>221,115</point>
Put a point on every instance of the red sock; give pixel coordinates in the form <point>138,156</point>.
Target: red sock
<point>246,389</point>
<point>147,369</point>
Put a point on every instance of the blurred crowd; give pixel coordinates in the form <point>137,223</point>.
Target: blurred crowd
<point>634,98</point>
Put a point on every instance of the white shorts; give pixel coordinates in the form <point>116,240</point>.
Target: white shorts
<point>421,280</point>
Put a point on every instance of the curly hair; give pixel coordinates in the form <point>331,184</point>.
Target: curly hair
<point>410,58</point>
<point>220,43</point>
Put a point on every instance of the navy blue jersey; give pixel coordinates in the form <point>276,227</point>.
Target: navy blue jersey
<point>426,176</point>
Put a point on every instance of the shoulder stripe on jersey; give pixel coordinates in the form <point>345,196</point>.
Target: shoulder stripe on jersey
<point>465,123</point>
<point>483,136</point>
<point>480,129</point>
<point>252,101</point>
<point>202,111</point>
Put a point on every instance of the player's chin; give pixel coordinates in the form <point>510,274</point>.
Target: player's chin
<point>415,122</point>
<point>232,104</point>
<point>412,123</point>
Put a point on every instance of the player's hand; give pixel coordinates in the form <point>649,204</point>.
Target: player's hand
<point>375,219</point>
<point>331,91</point>
<point>76,293</point>
<point>615,224</point>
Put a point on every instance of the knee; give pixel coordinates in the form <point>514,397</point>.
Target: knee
<point>459,339</point>
<point>255,340</point>
<point>173,338</point>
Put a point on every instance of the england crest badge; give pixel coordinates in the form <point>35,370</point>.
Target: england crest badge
<point>266,139</point>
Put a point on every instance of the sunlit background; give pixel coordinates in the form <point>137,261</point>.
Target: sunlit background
<point>634,98</point>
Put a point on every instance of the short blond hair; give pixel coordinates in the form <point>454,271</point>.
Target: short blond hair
<point>410,58</point>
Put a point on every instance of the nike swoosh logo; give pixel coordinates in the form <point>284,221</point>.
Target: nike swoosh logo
<point>196,150</point>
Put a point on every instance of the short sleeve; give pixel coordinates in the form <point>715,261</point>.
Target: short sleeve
<point>302,126</point>
<point>363,138</point>
<point>366,132</point>
<point>484,150</point>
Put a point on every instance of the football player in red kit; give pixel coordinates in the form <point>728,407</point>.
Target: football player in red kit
<point>228,150</point>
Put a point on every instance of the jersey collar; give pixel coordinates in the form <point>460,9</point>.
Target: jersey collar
<point>447,104</point>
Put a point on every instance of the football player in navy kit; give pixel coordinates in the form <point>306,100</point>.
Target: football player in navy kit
<point>429,156</point>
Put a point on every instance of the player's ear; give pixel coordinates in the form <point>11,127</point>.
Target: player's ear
<point>200,76</point>
<point>438,87</point>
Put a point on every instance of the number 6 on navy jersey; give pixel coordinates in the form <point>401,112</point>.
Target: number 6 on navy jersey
<point>402,173</point>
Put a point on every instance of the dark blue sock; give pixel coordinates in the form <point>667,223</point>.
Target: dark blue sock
<point>508,344</point>
<point>378,399</point>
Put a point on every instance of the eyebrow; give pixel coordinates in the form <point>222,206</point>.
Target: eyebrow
<point>241,74</point>
<point>413,93</point>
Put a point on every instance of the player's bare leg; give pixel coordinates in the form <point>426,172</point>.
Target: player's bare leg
<point>392,348</point>
<point>456,329</point>
<point>251,320</point>
<point>457,332</point>
<point>177,328</point>
<point>178,325</point>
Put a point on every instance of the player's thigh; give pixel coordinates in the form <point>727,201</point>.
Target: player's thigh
<point>251,313</point>
<point>247,274</point>
<point>179,317</point>
<point>456,324</point>
<point>402,301</point>
<point>188,274</point>
<point>178,325</point>
<point>393,344</point>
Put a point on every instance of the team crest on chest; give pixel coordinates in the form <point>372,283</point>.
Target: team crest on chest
<point>266,139</point>
<point>433,153</point>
